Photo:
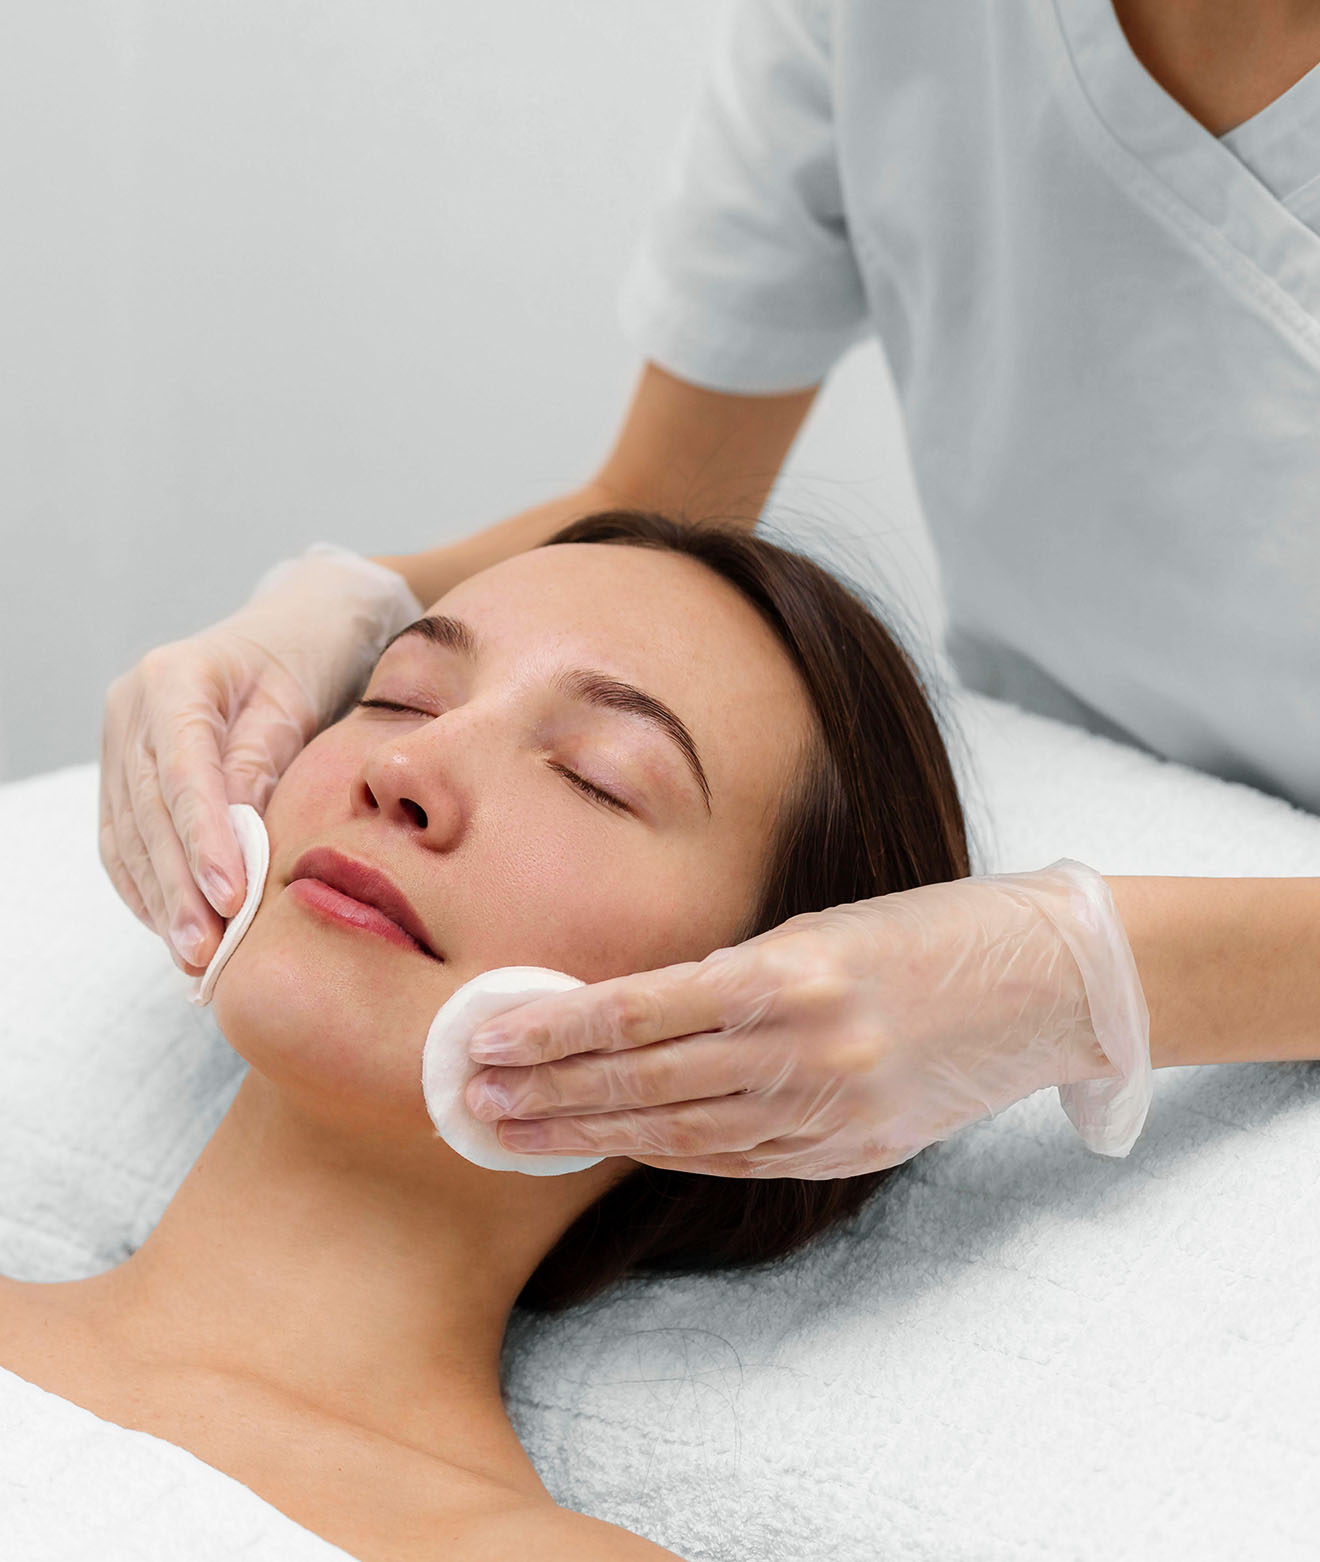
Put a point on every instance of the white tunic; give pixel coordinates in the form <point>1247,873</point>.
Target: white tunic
<point>1103,323</point>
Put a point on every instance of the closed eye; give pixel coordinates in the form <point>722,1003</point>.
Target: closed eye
<point>391,705</point>
<point>597,792</point>
<point>580,782</point>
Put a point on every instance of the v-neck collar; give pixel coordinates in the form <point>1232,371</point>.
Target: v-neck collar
<point>1166,155</point>
<point>1281,143</point>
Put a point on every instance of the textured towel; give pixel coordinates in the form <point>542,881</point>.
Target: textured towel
<point>74,1488</point>
<point>1017,1350</point>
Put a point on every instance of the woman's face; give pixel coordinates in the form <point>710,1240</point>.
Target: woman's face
<point>466,800</point>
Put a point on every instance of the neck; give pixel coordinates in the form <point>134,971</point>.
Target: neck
<point>366,1278</point>
<point>1221,60</point>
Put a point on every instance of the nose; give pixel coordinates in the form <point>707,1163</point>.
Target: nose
<point>411,779</point>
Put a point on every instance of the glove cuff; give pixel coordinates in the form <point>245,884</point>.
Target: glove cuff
<point>387,602</point>
<point>1108,1113</point>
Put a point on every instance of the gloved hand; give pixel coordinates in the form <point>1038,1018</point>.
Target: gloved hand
<point>217,719</point>
<point>843,1041</point>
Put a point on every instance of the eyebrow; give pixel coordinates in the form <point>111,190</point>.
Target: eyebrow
<point>587,684</point>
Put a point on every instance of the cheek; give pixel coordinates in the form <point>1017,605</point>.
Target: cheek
<point>334,1013</point>
<point>316,787</point>
<point>599,909</point>
<point>337,1013</point>
<point>318,1010</point>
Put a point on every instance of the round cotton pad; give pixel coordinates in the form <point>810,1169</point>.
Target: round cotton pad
<point>446,1067</point>
<point>254,843</point>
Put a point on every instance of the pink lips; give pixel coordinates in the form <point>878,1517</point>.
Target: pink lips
<point>329,902</point>
<point>359,895</point>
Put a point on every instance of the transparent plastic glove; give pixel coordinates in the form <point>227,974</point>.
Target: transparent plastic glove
<point>843,1041</point>
<point>217,719</point>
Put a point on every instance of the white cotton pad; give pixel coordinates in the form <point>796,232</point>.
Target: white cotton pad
<point>446,1067</point>
<point>254,843</point>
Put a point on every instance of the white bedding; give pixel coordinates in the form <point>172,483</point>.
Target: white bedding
<point>1019,1350</point>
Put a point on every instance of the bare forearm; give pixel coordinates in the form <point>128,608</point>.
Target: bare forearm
<point>435,570</point>
<point>688,452</point>
<point>1230,967</point>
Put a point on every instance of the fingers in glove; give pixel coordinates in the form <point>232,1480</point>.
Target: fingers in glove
<point>263,741</point>
<point>131,861</point>
<point>191,925</point>
<point>139,845</point>
<point>609,1016</point>
<point>689,1068</point>
<point>114,865</point>
<point>111,805</point>
<point>133,871</point>
<point>192,789</point>
<point>717,1126</point>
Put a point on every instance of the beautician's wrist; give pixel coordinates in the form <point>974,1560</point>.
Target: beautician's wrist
<point>434,571</point>
<point>429,574</point>
<point>1153,937</point>
<point>1069,910</point>
<point>1231,967</point>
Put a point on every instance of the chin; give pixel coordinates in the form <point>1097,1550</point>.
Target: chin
<point>344,1025</point>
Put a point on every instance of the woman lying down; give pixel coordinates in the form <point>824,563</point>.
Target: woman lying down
<point>319,1312</point>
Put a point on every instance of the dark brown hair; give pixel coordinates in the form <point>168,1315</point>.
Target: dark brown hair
<point>876,810</point>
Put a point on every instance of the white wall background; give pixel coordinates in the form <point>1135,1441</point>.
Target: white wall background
<point>273,271</point>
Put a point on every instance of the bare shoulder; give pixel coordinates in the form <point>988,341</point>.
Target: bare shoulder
<point>553,1534</point>
<point>593,1540</point>
<point>15,1304</point>
<point>492,1524</point>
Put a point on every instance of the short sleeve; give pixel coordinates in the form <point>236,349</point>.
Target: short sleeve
<point>745,278</point>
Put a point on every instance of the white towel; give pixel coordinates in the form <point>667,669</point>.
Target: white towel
<point>1019,1349</point>
<point>74,1488</point>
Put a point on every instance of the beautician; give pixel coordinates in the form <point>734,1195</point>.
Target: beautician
<point>1087,233</point>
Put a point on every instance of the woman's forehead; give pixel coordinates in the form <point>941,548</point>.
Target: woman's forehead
<point>662,620</point>
<point>661,609</point>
